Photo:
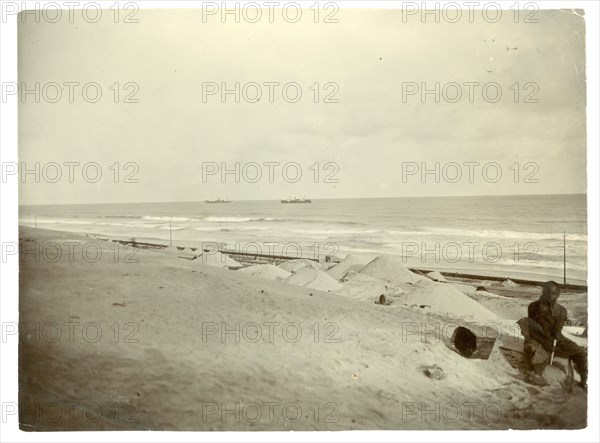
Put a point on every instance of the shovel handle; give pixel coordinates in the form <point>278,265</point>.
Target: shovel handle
<point>552,355</point>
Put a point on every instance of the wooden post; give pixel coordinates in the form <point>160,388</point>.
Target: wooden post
<point>170,234</point>
<point>565,257</point>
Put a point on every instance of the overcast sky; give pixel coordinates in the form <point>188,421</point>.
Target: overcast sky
<point>368,134</point>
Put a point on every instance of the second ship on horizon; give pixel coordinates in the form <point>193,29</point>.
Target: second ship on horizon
<point>289,200</point>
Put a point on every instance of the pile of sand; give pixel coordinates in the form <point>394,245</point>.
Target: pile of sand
<point>446,299</point>
<point>294,266</point>
<point>313,278</point>
<point>326,266</point>
<point>363,287</point>
<point>350,263</point>
<point>269,271</point>
<point>436,276</point>
<point>218,260</point>
<point>508,283</point>
<point>390,269</point>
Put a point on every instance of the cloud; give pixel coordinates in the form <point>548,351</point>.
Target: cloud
<point>366,59</point>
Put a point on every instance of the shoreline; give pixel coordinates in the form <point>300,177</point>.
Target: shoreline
<point>476,271</point>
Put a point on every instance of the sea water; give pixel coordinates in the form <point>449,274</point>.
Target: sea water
<point>494,235</point>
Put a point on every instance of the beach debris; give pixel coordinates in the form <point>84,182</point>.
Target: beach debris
<point>354,376</point>
<point>314,279</point>
<point>436,276</point>
<point>433,371</point>
<point>471,345</point>
<point>391,269</point>
<point>481,288</point>
<point>119,304</point>
<point>383,300</point>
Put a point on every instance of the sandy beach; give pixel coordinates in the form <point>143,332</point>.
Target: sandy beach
<point>160,341</point>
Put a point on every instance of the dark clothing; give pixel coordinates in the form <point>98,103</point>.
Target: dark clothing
<point>544,325</point>
<point>551,320</point>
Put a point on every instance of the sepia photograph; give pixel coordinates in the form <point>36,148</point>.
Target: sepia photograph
<point>300,216</point>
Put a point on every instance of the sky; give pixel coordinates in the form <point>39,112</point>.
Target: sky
<point>374,140</point>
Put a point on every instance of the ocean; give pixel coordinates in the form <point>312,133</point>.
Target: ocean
<point>492,235</point>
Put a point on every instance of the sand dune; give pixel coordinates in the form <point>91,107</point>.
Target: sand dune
<point>363,287</point>
<point>293,266</point>
<point>445,299</point>
<point>216,259</point>
<point>313,278</point>
<point>350,263</point>
<point>270,272</point>
<point>391,269</point>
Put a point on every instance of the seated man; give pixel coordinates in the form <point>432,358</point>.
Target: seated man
<point>543,327</point>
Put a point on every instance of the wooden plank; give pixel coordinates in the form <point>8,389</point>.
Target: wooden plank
<point>520,281</point>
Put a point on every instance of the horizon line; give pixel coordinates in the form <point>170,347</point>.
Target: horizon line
<point>277,199</point>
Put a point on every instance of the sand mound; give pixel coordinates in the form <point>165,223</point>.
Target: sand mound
<point>271,272</point>
<point>436,275</point>
<point>508,283</point>
<point>354,276</point>
<point>294,266</point>
<point>326,266</point>
<point>313,278</point>
<point>363,287</point>
<point>218,260</point>
<point>350,263</point>
<point>445,299</point>
<point>390,269</point>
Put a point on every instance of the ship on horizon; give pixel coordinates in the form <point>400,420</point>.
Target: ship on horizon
<point>218,200</point>
<point>296,200</point>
